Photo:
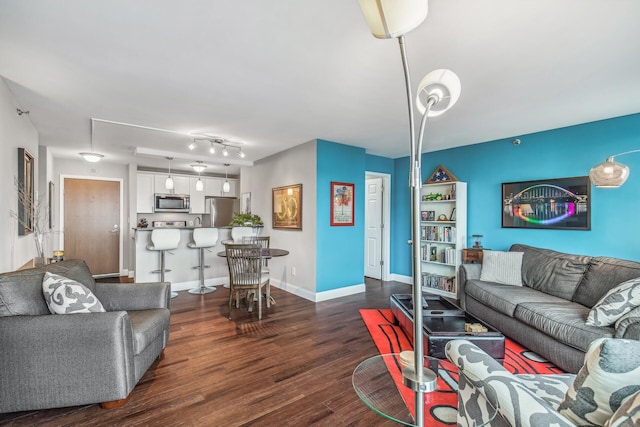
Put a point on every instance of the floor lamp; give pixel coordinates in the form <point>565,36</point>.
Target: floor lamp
<point>438,91</point>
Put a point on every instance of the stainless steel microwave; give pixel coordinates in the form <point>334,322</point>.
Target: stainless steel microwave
<point>171,203</point>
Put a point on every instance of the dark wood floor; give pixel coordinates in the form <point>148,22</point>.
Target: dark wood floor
<point>293,368</point>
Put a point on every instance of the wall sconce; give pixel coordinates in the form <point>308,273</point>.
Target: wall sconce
<point>610,174</point>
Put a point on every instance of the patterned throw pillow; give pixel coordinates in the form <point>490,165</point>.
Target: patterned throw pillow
<point>616,303</point>
<point>66,296</point>
<point>610,374</point>
<point>502,267</point>
<point>628,414</point>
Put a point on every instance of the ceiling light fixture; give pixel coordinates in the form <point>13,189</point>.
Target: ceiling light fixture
<point>226,187</point>
<point>610,174</point>
<point>241,153</point>
<point>168,184</point>
<point>92,156</point>
<point>225,152</point>
<point>193,145</point>
<point>199,167</point>
<point>438,91</point>
<point>212,148</point>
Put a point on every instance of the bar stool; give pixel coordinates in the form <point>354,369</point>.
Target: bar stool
<point>164,240</point>
<point>203,238</point>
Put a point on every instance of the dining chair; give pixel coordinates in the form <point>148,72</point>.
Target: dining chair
<point>264,242</point>
<point>245,274</point>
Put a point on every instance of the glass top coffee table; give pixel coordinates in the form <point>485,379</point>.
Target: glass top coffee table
<point>381,391</point>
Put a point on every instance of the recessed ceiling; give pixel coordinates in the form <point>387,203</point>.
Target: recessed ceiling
<point>272,75</point>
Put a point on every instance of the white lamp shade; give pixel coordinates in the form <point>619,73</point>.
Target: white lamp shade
<point>445,85</point>
<point>199,185</point>
<point>393,18</point>
<point>226,187</point>
<point>92,157</point>
<point>199,167</point>
<point>609,174</point>
<point>168,184</point>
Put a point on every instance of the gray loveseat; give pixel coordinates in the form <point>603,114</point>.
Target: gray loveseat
<point>547,315</point>
<point>52,360</point>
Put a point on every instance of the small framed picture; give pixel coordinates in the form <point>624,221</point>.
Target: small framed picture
<point>427,215</point>
<point>342,203</point>
<point>452,217</point>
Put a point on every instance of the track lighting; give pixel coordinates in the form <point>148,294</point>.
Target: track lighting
<point>241,154</point>
<point>212,148</point>
<point>225,152</point>
<point>193,145</point>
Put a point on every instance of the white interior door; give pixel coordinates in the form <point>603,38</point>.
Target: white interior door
<point>373,220</point>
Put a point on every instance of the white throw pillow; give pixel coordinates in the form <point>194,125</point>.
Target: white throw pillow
<point>502,267</point>
<point>66,296</point>
<point>628,414</point>
<point>609,375</point>
<point>619,301</point>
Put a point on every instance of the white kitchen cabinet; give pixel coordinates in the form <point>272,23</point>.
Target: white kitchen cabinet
<point>196,197</point>
<point>180,184</point>
<point>213,187</point>
<point>144,194</point>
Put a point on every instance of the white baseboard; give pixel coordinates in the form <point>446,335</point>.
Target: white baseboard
<point>321,296</point>
<point>193,284</point>
<point>402,279</point>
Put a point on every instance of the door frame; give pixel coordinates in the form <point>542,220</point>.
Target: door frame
<point>386,231</point>
<point>120,222</point>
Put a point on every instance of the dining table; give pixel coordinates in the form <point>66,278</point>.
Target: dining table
<point>264,253</point>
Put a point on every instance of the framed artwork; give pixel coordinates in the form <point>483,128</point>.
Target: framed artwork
<point>245,203</point>
<point>287,207</point>
<point>26,199</point>
<point>342,198</point>
<point>556,204</point>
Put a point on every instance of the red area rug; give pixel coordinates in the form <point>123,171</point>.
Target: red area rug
<point>441,405</point>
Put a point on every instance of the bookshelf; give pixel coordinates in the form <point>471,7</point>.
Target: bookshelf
<point>443,235</point>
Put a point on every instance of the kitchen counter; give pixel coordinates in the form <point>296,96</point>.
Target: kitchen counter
<point>181,260</point>
<point>226,227</point>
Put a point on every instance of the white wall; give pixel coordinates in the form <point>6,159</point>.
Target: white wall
<point>102,169</point>
<point>15,131</point>
<point>294,166</point>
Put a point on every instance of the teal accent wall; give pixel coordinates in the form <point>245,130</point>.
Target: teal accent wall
<point>379,164</point>
<point>558,153</point>
<point>339,249</point>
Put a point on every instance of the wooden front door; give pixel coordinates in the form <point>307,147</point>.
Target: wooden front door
<point>91,223</point>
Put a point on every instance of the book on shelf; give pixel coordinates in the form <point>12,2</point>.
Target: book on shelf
<point>438,233</point>
<point>440,282</point>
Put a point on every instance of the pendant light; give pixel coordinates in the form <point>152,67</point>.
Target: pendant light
<point>91,156</point>
<point>168,184</point>
<point>226,187</point>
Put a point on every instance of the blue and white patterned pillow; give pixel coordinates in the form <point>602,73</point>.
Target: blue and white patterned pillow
<point>616,303</point>
<point>628,414</point>
<point>66,296</point>
<point>610,374</point>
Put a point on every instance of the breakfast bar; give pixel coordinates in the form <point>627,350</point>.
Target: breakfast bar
<point>182,261</point>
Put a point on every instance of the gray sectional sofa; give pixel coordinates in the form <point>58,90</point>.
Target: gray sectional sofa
<point>57,360</point>
<point>548,313</point>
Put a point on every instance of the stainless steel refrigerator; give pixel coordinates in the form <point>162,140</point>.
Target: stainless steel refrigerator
<point>219,211</point>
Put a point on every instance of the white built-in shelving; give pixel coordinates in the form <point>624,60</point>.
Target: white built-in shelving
<point>443,235</point>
